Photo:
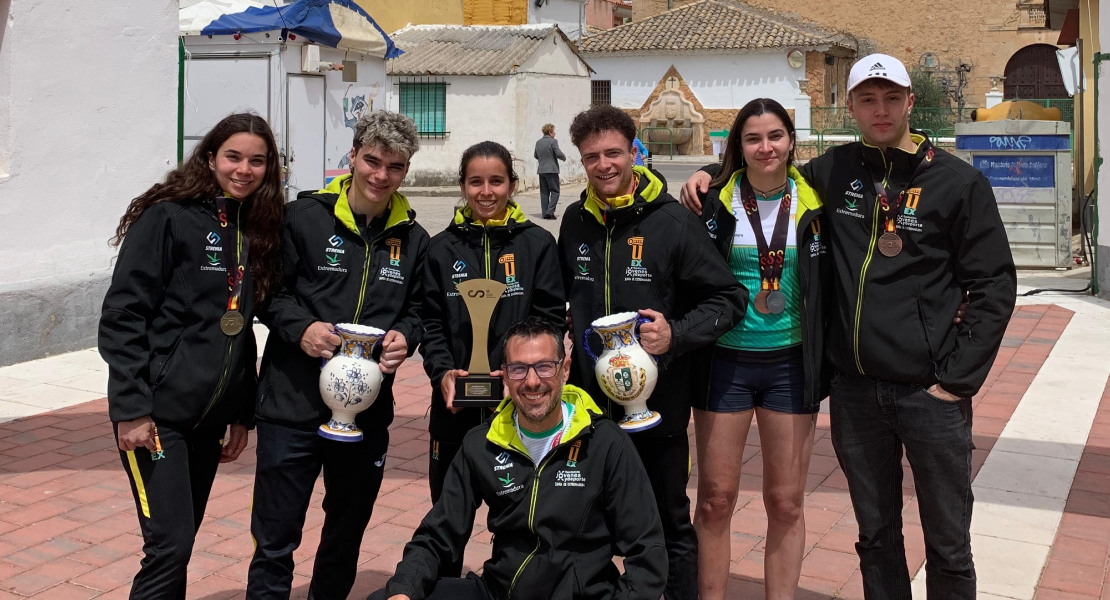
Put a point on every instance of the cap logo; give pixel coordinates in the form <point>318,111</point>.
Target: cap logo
<point>877,66</point>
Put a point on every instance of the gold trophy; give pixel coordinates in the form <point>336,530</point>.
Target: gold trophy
<point>478,388</point>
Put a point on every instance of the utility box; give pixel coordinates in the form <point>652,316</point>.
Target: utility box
<point>1029,165</point>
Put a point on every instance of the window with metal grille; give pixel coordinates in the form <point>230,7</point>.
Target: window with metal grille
<point>425,102</point>
<point>601,93</point>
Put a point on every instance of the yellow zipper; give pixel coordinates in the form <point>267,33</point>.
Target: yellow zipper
<point>485,247</point>
<point>532,507</point>
<point>365,274</point>
<point>608,241</point>
<point>863,270</point>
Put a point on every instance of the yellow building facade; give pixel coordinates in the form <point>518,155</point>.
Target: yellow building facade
<point>392,15</point>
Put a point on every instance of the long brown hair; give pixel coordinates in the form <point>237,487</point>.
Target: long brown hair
<point>193,181</point>
<point>733,159</point>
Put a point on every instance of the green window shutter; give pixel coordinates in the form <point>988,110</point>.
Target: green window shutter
<point>426,105</point>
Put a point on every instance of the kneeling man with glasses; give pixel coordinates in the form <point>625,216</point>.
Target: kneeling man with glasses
<point>565,488</point>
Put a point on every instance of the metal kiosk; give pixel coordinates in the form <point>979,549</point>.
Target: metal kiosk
<point>1028,163</point>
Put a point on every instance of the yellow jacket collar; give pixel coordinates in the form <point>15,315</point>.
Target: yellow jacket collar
<point>648,187</point>
<point>807,196</point>
<point>916,138</point>
<point>502,429</point>
<point>398,205</point>
<point>513,213</point>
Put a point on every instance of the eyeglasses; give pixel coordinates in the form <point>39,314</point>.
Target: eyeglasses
<point>544,368</point>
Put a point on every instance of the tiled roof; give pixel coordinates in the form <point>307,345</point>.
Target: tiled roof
<point>708,26</point>
<point>465,50</point>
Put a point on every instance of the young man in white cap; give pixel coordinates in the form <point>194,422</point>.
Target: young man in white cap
<point>911,229</point>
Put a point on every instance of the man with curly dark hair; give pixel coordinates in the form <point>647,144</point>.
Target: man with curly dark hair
<point>627,245</point>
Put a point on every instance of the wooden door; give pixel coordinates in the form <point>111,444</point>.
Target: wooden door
<point>1034,73</point>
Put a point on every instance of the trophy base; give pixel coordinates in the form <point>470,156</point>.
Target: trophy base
<point>340,432</point>
<point>478,390</point>
<point>640,421</point>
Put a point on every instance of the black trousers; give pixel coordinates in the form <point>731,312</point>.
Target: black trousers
<point>289,461</point>
<point>171,494</point>
<point>549,193</point>
<point>667,461</point>
<point>470,587</point>
<point>440,455</point>
<point>872,421</point>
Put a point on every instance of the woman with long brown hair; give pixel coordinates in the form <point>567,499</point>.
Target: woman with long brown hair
<point>197,253</point>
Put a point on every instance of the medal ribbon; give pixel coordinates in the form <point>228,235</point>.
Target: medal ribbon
<point>770,256</point>
<point>234,272</point>
<point>890,213</point>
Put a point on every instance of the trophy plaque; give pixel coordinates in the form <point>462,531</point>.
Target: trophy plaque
<point>478,388</point>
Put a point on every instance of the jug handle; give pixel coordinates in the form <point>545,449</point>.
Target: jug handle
<point>586,344</point>
<point>636,329</point>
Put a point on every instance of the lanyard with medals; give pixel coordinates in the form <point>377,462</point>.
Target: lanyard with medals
<point>770,299</point>
<point>890,244</point>
<point>232,322</point>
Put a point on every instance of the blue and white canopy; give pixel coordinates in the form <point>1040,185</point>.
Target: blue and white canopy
<point>337,23</point>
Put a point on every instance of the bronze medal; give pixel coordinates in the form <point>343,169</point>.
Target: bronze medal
<point>232,322</point>
<point>760,302</point>
<point>776,302</point>
<point>890,245</point>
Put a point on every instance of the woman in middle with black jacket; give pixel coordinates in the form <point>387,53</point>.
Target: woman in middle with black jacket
<point>490,238</point>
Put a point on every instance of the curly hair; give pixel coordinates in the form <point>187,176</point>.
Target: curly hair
<point>548,129</point>
<point>599,119</point>
<point>391,131</point>
<point>193,182</point>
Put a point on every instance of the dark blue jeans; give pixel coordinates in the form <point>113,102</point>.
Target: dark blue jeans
<point>872,420</point>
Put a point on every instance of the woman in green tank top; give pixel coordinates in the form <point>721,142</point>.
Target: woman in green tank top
<point>765,221</point>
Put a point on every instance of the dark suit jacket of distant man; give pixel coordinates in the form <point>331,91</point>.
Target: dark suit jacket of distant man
<point>549,155</point>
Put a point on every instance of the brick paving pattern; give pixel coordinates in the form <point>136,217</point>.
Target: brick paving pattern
<point>68,527</point>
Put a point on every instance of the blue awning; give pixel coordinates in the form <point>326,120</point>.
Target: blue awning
<point>337,23</point>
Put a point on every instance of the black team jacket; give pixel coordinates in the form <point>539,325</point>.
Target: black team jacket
<point>520,254</point>
<point>160,326</point>
<point>556,525</point>
<point>891,317</point>
<point>337,270</point>
<point>679,273</point>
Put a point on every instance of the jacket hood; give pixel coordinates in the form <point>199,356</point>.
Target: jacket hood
<point>335,196</point>
<point>502,430</point>
<point>649,188</point>
<point>808,200</point>
<point>514,215</point>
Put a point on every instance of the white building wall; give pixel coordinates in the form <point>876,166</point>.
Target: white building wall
<point>370,92</point>
<point>88,121</point>
<point>478,109</point>
<point>553,86</point>
<point>718,80</point>
<point>567,14</point>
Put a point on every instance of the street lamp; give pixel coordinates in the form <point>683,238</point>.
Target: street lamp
<point>952,81</point>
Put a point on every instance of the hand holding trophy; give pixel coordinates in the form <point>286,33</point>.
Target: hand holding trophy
<point>478,388</point>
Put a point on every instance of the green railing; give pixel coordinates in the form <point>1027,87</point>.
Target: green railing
<point>648,143</point>
<point>1066,106</point>
<point>932,118</point>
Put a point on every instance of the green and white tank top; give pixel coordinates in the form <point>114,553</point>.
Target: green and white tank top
<point>759,332</point>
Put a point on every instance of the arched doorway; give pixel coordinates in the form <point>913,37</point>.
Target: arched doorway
<point>1034,73</point>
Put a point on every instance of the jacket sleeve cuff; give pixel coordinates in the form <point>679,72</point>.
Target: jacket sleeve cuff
<point>394,587</point>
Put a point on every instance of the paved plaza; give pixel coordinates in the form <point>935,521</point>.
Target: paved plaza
<point>1041,529</point>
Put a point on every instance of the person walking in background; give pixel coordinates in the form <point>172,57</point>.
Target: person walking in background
<point>639,152</point>
<point>198,252</point>
<point>548,154</point>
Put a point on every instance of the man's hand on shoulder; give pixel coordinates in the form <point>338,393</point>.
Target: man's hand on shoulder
<point>697,183</point>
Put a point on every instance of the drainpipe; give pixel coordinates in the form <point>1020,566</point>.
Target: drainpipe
<point>180,100</point>
<point>1098,58</point>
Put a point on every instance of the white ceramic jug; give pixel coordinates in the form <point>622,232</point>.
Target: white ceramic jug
<point>625,370</point>
<point>350,381</point>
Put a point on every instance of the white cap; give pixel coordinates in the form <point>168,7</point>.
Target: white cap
<point>878,66</point>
